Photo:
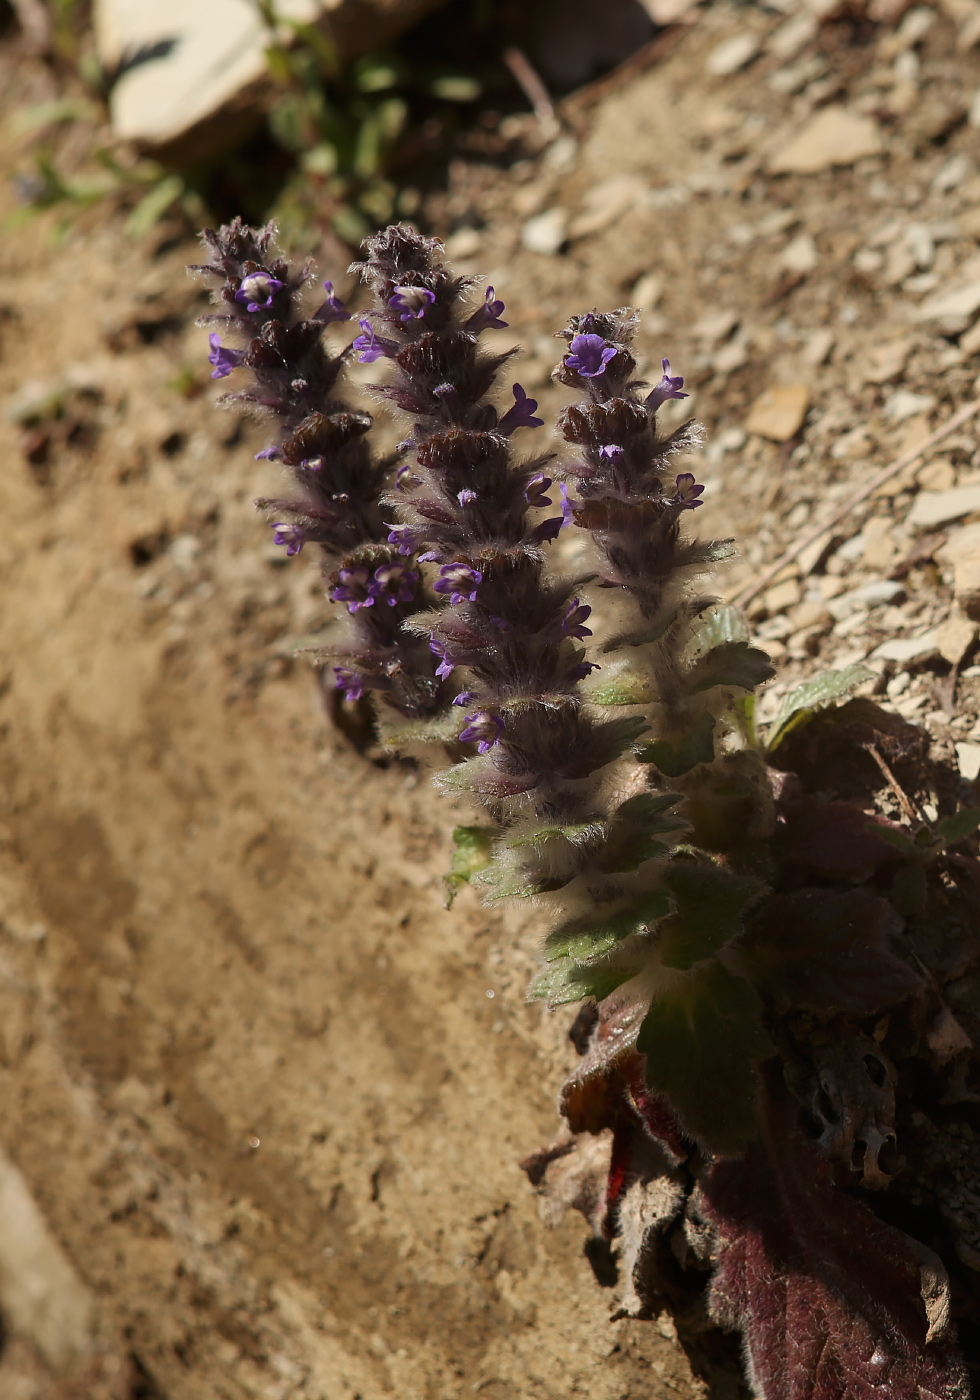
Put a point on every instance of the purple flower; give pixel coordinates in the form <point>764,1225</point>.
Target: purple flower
<point>312,464</point>
<point>351,684</point>
<point>222,357</point>
<point>292,536</point>
<point>446,662</point>
<point>257,290</point>
<point>482,729</point>
<point>589,355</point>
<point>688,492</point>
<point>406,538</point>
<point>522,414</point>
<point>465,697</point>
<point>575,615</point>
<point>487,317</point>
<point>371,347</point>
<point>459,581</point>
<point>535,489</point>
<point>412,302</point>
<point>568,506</point>
<point>353,588</point>
<point>333,309</point>
<point>393,583</point>
<point>611,451</point>
<point>268,454</point>
<point>583,669</point>
<point>668,388</point>
<point>466,497</point>
<point>501,623</point>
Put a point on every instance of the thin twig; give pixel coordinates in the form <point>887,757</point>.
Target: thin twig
<point>531,84</point>
<point>904,801</point>
<point>752,590</point>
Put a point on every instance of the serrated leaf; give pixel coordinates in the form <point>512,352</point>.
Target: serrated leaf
<point>626,688</point>
<point>957,827</point>
<point>677,756</point>
<point>832,1302</point>
<point>634,830</point>
<point>473,852</point>
<point>591,935</point>
<point>641,636</point>
<point>441,729</point>
<point>828,951</point>
<point>723,623</point>
<point>568,981</point>
<point>730,663</point>
<point>702,1040</point>
<point>711,902</point>
<point>543,834</point>
<point>805,700</point>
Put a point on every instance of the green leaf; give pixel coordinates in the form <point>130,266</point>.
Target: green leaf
<point>729,663</point>
<point>710,904</point>
<point>802,703</point>
<point>896,837</point>
<point>634,829</point>
<point>543,834</point>
<point>703,1039</point>
<point>154,205</point>
<point>676,756</point>
<point>624,688</point>
<point>723,623</point>
<point>441,729</point>
<point>473,853</point>
<point>567,981</point>
<point>591,935</point>
<point>957,827</point>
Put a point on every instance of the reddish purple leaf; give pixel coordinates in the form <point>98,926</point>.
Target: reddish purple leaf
<point>827,951</point>
<point>831,841</point>
<point>833,1304</point>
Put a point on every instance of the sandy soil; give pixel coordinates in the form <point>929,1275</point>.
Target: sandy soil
<point>268,1095</point>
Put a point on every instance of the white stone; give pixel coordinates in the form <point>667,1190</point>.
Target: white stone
<point>800,254</point>
<point>818,347</point>
<point>42,1297</point>
<point>731,55</point>
<point>870,595</point>
<point>607,202</point>
<point>953,173</point>
<point>647,291</point>
<point>715,327</point>
<point>968,761</point>
<point>932,508</point>
<point>210,60</point>
<point>833,136</point>
<point>547,232</point>
<point>787,41</point>
<point>905,649</point>
<point>905,404</point>
<point>952,309</point>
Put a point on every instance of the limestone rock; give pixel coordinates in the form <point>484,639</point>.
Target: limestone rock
<point>905,650</point>
<point>952,310</point>
<point>955,637</point>
<point>191,74</point>
<point>731,55</point>
<point>932,508</point>
<point>546,232</point>
<point>778,414</point>
<point>834,136</point>
<point>962,552</point>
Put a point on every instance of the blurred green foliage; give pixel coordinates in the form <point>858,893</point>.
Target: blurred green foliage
<point>329,139</point>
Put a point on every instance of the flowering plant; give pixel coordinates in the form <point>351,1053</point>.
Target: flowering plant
<point>772,979</point>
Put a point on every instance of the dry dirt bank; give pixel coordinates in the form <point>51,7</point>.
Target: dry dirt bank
<point>250,1069</point>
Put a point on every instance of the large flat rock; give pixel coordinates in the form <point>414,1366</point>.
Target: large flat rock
<point>192,73</point>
